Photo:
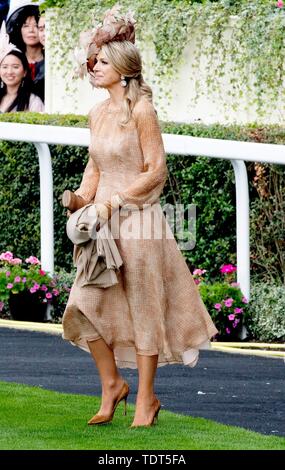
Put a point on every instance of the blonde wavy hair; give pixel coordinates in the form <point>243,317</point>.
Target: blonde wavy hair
<point>126,60</point>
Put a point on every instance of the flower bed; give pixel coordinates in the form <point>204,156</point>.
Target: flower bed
<point>25,281</point>
<point>225,303</point>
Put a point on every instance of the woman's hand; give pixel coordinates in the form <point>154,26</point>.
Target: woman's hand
<point>106,209</point>
<point>103,212</point>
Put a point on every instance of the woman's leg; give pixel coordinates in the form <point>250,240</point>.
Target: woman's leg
<point>146,402</point>
<point>111,379</point>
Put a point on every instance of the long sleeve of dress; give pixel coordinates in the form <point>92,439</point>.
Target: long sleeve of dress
<point>90,179</point>
<point>147,188</point>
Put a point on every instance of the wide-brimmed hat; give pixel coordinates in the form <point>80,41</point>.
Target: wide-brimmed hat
<point>17,9</point>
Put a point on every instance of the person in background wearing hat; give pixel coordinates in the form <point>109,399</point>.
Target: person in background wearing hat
<point>15,81</point>
<point>22,26</point>
<point>4,8</point>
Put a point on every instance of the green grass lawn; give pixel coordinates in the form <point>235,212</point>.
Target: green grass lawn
<point>32,418</point>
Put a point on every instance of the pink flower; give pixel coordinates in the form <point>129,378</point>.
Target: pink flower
<point>49,295</point>
<point>10,286</point>
<point>1,306</point>
<point>33,290</point>
<point>244,300</point>
<point>44,288</point>
<point>228,331</point>
<point>197,281</point>
<point>227,268</point>
<point>16,261</point>
<point>36,286</point>
<point>17,279</point>
<point>235,323</point>
<point>235,284</point>
<point>42,273</point>
<point>218,307</point>
<point>231,317</point>
<point>8,273</point>
<point>238,310</point>
<point>33,260</point>
<point>199,272</point>
<point>24,280</point>
<point>280,4</point>
<point>228,302</point>
<point>55,292</point>
<point>7,256</point>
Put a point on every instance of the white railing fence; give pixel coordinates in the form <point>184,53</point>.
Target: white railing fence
<point>236,152</point>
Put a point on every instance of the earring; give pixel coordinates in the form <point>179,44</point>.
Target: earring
<point>22,83</point>
<point>1,84</point>
<point>123,81</point>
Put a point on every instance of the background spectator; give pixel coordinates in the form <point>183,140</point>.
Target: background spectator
<point>16,85</point>
<point>22,27</point>
<point>42,30</point>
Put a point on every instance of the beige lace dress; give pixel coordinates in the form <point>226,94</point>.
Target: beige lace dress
<point>155,308</point>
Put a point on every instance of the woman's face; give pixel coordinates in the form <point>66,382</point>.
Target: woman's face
<point>41,29</point>
<point>12,71</point>
<point>105,76</point>
<point>30,32</point>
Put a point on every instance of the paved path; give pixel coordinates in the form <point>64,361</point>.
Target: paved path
<point>246,391</point>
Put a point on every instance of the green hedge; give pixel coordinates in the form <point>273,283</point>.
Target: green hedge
<point>265,320</point>
<point>208,183</point>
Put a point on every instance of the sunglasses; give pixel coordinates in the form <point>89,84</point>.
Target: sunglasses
<point>90,63</point>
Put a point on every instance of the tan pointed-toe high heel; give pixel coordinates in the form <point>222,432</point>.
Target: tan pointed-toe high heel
<point>71,201</point>
<point>154,418</point>
<point>103,419</point>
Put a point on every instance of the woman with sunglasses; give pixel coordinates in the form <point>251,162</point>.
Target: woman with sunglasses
<point>154,315</point>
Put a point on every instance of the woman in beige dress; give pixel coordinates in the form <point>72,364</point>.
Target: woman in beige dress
<point>154,315</point>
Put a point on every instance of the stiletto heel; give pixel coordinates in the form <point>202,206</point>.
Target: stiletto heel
<point>102,419</point>
<point>155,418</point>
<point>125,410</point>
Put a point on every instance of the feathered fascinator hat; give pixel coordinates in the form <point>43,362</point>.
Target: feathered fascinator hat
<point>5,45</point>
<point>115,27</point>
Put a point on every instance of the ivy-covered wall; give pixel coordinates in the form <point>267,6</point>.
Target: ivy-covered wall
<point>236,50</point>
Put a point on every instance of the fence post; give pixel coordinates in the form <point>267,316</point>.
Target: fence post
<point>46,205</point>
<point>242,226</point>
